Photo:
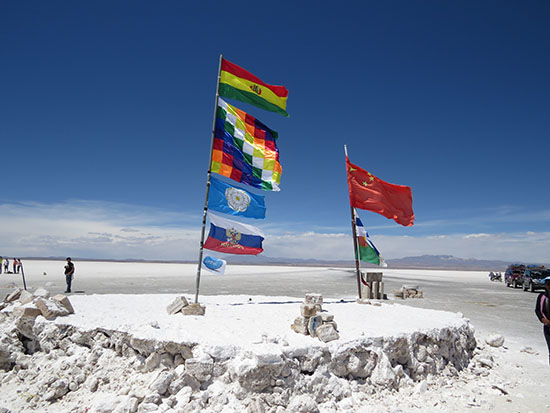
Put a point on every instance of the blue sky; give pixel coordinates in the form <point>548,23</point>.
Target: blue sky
<point>106,112</point>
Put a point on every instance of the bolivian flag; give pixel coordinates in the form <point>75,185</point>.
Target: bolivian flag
<point>237,83</point>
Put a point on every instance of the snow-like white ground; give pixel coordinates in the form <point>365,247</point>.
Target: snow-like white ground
<point>243,321</point>
<point>252,307</point>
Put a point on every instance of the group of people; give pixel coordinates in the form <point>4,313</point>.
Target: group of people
<point>5,264</point>
<point>17,267</point>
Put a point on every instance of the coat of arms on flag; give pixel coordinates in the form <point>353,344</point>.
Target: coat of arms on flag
<point>233,237</point>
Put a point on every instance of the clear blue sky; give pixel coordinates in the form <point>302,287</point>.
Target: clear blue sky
<point>106,112</point>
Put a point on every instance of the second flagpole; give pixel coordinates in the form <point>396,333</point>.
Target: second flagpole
<point>354,230</point>
<point>205,211</point>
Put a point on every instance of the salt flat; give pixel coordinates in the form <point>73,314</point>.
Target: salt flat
<point>491,307</point>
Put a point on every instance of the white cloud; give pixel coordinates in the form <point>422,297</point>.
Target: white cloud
<point>96,230</point>
<point>477,236</point>
<point>111,230</point>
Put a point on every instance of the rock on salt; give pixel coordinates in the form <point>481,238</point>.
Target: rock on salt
<point>25,297</point>
<point>495,340</point>
<point>51,309</point>
<point>41,292</point>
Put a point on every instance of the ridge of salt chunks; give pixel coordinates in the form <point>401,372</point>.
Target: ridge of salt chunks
<point>31,305</point>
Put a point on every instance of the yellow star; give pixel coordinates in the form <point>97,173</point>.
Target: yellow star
<point>365,183</point>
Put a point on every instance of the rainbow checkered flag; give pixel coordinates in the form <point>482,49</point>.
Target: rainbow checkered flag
<point>244,149</point>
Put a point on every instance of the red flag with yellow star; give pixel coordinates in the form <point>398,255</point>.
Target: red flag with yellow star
<point>366,191</point>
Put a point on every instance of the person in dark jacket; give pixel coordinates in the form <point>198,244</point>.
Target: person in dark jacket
<point>69,272</point>
<point>542,310</point>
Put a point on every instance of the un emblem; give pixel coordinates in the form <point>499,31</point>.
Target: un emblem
<point>237,199</point>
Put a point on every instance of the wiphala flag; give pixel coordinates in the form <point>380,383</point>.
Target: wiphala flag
<point>245,149</point>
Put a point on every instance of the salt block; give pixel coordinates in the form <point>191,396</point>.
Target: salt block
<point>177,305</point>
<point>326,333</point>
<point>313,323</point>
<point>495,340</point>
<point>308,310</point>
<point>64,301</point>
<point>326,317</point>
<point>14,295</point>
<point>331,323</point>
<point>25,297</point>
<point>51,309</point>
<point>300,325</point>
<point>26,311</point>
<point>41,292</point>
<point>312,298</point>
<point>194,309</point>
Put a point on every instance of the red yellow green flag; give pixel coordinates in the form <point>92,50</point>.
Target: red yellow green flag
<point>237,83</point>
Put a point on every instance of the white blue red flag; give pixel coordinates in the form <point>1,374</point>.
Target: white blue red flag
<point>232,237</point>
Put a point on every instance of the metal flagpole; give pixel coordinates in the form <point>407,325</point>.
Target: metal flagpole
<point>354,229</point>
<point>198,281</point>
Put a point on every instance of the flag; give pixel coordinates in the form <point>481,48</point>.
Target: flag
<point>366,191</point>
<point>237,83</point>
<point>215,265</point>
<point>233,237</point>
<point>367,251</point>
<point>244,149</point>
<point>235,201</point>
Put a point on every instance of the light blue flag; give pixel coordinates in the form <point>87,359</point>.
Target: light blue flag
<point>235,201</point>
<point>215,265</point>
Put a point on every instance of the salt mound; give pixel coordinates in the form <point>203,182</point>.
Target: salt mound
<point>126,354</point>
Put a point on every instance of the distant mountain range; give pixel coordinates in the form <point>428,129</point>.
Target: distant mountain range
<point>447,262</point>
<point>422,262</point>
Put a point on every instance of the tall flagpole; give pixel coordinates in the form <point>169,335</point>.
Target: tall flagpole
<point>198,281</point>
<point>354,231</point>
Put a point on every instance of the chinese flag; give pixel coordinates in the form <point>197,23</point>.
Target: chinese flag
<point>366,191</point>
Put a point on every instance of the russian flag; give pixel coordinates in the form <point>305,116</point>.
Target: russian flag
<point>232,237</point>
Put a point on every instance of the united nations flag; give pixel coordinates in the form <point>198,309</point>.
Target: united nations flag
<point>231,200</point>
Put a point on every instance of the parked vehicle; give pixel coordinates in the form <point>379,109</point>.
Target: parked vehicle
<point>533,278</point>
<point>514,275</point>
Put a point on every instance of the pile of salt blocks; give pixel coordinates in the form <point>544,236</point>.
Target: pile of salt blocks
<point>31,305</point>
<point>181,305</point>
<point>314,321</point>
<point>407,291</point>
